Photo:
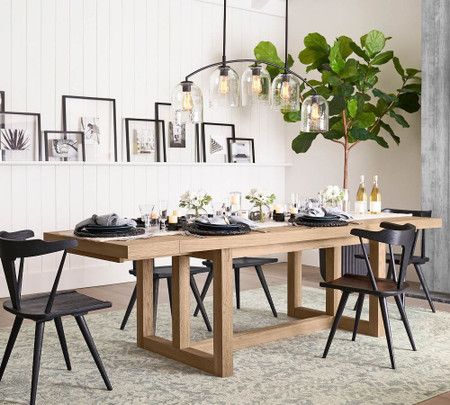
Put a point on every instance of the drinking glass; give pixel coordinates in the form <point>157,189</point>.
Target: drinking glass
<point>163,214</point>
<point>145,210</point>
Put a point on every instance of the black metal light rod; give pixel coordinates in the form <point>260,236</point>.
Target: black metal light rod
<point>287,70</point>
<point>286,25</point>
<point>224,34</point>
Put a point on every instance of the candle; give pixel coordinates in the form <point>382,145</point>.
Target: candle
<point>279,209</point>
<point>293,210</point>
<point>175,212</point>
<point>154,215</point>
<point>173,219</point>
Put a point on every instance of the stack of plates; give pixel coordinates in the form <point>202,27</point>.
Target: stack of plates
<point>98,231</point>
<point>326,221</point>
<point>202,228</point>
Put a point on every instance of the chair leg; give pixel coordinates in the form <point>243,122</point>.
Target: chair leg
<point>199,301</point>
<point>337,318</point>
<point>169,290</point>
<point>424,284</point>
<point>129,309</point>
<point>359,306</point>
<point>62,341</point>
<point>12,339</point>
<point>204,290</point>
<point>237,286</point>
<point>91,345</point>
<point>402,311</point>
<point>265,287</point>
<point>38,337</point>
<point>155,301</point>
<point>387,329</point>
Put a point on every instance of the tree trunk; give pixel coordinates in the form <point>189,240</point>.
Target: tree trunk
<point>346,151</point>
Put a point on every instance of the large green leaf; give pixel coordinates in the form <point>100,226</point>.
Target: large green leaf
<point>344,45</point>
<point>352,107</point>
<point>412,88</point>
<point>350,69</point>
<point>399,118</point>
<point>412,72</point>
<point>398,67</point>
<point>333,134</point>
<point>373,42</point>
<point>386,97</point>
<point>267,51</point>
<point>359,51</point>
<point>388,129</point>
<point>293,116</point>
<point>337,62</point>
<point>382,58</point>
<point>408,102</point>
<point>360,134</point>
<point>336,105</point>
<point>302,142</point>
<point>365,120</point>
<point>331,78</point>
<point>316,41</point>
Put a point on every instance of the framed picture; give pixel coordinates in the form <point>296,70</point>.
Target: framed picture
<point>96,118</point>
<point>64,146</point>
<point>181,142</point>
<point>20,138</point>
<point>214,141</point>
<point>144,139</point>
<point>2,101</point>
<point>241,150</point>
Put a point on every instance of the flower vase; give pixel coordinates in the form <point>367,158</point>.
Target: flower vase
<point>260,213</point>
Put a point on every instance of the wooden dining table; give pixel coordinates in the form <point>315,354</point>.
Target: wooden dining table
<point>215,355</point>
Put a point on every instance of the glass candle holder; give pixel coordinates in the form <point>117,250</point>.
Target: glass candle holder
<point>235,201</point>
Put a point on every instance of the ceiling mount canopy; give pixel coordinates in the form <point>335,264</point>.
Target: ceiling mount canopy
<point>227,90</point>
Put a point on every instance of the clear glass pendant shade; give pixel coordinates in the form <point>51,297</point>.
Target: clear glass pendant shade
<point>255,85</point>
<point>314,115</point>
<point>187,103</point>
<point>224,88</point>
<point>286,93</point>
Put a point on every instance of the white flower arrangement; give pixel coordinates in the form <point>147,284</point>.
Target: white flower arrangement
<point>331,195</point>
<point>194,201</point>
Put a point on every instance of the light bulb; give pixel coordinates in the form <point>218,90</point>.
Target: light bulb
<point>315,111</point>
<point>285,92</point>
<point>224,86</point>
<point>256,84</point>
<point>187,101</point>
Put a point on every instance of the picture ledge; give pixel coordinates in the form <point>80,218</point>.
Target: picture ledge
<point>18,163</point>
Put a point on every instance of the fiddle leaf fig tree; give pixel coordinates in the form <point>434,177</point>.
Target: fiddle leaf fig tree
<point>348,79</point>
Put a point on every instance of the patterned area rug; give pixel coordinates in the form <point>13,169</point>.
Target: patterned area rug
<point>284,372</point>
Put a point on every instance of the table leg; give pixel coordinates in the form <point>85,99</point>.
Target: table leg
<point>333,264</point>
<point>144,284</point>
<point>294,282</point>
<point>378,264</point>
<point>223,313</point>
<point>181,330</point>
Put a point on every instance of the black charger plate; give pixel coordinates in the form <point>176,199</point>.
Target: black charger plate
<point>234,229</point>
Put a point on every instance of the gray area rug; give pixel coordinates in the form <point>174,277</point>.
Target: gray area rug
<point>285,372</point>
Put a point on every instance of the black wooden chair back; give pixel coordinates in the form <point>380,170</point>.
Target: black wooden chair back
<point>419,233</point>
<point>16,245</point>
<point>403,236</point>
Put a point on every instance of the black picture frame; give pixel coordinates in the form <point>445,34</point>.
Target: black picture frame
<point>232,140</point>
<point>158,135</point>
<point>66,97</point>
<point>47,132</point>
<point>158,106</point>
<point>203,134</point>
<point>2,101</point>
<point>38,126</point>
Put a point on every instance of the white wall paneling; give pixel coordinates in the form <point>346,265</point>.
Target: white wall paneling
<point>134,51</point>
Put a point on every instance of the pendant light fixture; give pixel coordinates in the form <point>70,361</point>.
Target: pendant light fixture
<point>284,92</point>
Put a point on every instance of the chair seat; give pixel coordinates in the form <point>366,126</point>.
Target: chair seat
<point>398,257</point>
<point>361,284</point>
<point>66,303</point>
<point>166,271</point>
<point>241,262</point>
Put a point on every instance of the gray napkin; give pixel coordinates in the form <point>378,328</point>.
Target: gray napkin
<point>105,220</point>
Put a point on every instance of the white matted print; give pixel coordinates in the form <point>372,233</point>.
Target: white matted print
<point>241,150</point>
<point>143,143</point>
<point>181,143</point>
<point>95,117</point>
<point>19,136</point>
<point>214,140</point>
<point>63,146</point>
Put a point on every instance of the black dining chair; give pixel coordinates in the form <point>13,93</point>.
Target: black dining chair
<point>42,308</point>
<point>416,260</point>
<point>392,235</point>
<point>238,264</point>
<point>165,272</point>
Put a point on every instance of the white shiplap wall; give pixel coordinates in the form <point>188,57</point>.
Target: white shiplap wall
<point>134,51</point>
